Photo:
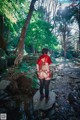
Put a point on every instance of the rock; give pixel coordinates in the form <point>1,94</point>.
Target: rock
<point>3,95</point>
<point>74,100</point>
<point>4,84</point>
<point>73,76</point>
<point>42,105</point>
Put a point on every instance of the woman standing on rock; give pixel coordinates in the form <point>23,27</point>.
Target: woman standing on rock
<point>44,73</point>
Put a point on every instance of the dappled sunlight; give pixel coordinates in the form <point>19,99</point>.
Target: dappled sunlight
<point>66,63</point>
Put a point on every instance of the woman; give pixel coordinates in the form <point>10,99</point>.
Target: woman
<point>44,73</point>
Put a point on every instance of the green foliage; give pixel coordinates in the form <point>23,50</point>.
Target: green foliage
<point>64,20</point>
<point>35,83</point>
<point>54,60</point>
<point>23,67</point>
<point>2,54</point>
<point>40,32</point>
<point>14,13</point>
<point>13,10</point>
<point>39,35</point>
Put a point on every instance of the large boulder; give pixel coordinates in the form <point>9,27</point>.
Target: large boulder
<point>4,84</point>
<point>74,100</point>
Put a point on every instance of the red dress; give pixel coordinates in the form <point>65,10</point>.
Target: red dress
<point>43,62</point>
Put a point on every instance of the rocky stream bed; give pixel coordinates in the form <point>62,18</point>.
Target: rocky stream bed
<point>16,93</point>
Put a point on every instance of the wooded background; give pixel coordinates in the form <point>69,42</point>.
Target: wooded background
<point>29,26</point>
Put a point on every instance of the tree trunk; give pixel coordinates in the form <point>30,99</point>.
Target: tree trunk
<point>79,38</point>
<point>23,34</point>
<point>2,42</point>
<point>64,41</point>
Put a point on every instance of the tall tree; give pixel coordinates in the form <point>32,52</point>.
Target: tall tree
<point>62,23</point>
<point>23,34</point>
<point>74,10</point>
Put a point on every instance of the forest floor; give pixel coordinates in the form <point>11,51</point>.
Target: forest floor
<point>65,83</point>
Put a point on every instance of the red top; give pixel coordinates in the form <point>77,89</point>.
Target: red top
<point>46,59</point>
<point>43,73</point>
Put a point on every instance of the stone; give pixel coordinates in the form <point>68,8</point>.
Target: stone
<point>3,95</point>
<point>4,84</point>
<point>42,105</point>
<point>74,101</point>
<point>73,76</point>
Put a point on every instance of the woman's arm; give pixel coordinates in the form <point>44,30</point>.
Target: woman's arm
<point>37,67</point>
